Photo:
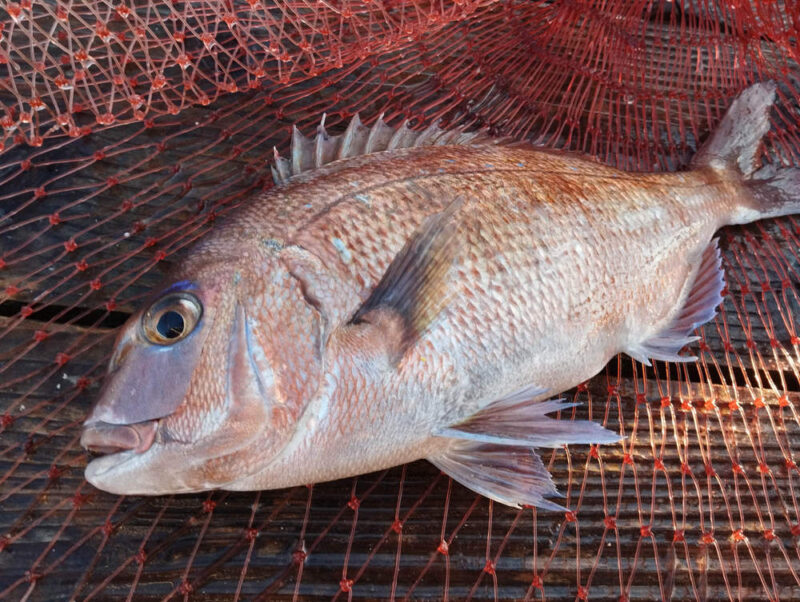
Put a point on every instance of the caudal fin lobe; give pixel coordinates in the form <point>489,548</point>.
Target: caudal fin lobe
<point>734,146</point>
<point>776,191</point>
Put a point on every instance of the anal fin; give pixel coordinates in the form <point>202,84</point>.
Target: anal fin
<point>699,308</point>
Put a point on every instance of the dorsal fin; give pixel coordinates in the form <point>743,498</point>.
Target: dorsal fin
<point>310,153</point>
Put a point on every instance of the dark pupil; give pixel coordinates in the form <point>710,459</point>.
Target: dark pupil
<point>170,325</point>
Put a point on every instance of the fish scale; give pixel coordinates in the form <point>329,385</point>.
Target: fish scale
<point>402,295</point>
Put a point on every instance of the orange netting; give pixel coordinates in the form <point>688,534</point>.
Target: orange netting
<point>129,126</point>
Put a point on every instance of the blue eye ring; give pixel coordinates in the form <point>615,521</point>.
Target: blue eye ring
<point>172,318</point>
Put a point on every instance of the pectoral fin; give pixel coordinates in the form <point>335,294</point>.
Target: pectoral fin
<point>413,290</point>
<point>700,307</point>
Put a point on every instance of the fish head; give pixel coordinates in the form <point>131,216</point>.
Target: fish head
<point>207,382</point>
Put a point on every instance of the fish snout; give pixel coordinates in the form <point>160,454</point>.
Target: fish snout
<point>106,438</point>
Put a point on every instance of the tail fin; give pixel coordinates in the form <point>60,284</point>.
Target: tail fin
<point>776,191</point>
<point>773,191</point>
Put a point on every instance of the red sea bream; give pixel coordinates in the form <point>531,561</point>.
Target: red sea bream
<point>402,295</point>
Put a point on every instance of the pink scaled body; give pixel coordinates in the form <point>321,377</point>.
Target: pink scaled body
<point>420,296</point>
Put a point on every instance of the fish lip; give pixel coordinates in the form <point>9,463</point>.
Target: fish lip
<point>112,439</point>
<point>101,466</point>
<point>131,473</point>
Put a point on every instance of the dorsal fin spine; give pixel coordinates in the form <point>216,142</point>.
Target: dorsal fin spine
<point>306,154</point>
<point>379,136</point>
<point>321,144</point>
<point>353,141</point>
<point>300,151</point>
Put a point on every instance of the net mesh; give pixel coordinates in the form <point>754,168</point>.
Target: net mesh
<point>129,127</point>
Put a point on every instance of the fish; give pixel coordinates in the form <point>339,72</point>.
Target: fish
<point>402,295</point>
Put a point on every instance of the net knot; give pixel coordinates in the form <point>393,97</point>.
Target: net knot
<point>346,585</point>
<point>79,500</point>
<point>299,556</point>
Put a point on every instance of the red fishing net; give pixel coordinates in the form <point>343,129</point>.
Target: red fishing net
<point>128,126</point>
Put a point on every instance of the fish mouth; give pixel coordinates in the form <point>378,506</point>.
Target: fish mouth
<point>135,460</point>
<point>105,438</point>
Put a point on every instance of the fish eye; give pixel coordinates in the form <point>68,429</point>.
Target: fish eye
<point>171,318</point>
